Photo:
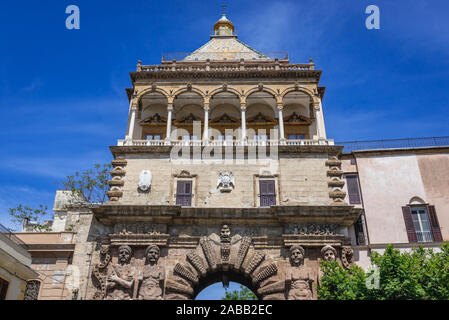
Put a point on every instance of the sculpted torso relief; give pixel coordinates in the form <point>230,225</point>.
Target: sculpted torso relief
<point>120,278</point>
<point>145,279</point>
<point>152,276</point>
<point>125,282</point>
<point>299,279</point>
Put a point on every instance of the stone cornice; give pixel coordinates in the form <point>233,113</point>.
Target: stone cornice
<point>314,149</point>
<point>227,75</point>
<point>397,151</point>
<point>274,215</point>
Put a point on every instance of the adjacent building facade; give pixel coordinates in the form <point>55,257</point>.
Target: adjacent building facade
<point>226,174</point>
<point>16,273</point>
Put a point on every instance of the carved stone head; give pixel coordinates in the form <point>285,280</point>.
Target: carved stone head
<point>328,253</point>
<point>297,255</point>
<point>152,254</point>
<point>124,254</point>
<point>225,234</point>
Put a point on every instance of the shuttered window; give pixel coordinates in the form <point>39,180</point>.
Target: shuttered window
<point>267,193</point>
<point>184,193</point>
<point>422,224</point>
<point>436,231</point>
<point>3,289</point>
<point>353,189</point>
<point>359,234</point>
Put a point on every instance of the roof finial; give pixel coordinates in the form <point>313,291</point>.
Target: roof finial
<point>224,10</point>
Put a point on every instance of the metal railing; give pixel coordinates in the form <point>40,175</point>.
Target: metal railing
<point>11,236</point>
<point>394,144</point>
<point>424,236</point>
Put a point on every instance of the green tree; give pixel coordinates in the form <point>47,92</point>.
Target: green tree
<point>90,186</point>
<point>241,294</point>
<point>23,214</point>
<point>422,274</point>
<point>338,283</point>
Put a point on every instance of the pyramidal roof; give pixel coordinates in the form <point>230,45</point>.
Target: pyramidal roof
<point>225,48</point>
<point>224,45</point>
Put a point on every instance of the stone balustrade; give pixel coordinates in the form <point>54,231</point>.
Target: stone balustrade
<point>226,67</point>
<point>226,143</point>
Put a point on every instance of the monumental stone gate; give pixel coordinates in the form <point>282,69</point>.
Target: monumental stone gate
<point>225,174</point>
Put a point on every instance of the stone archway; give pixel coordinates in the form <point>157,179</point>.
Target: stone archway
<point>278,269</point>
<point>222,255</point>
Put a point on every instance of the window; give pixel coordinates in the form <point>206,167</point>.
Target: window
<point>153,137</point>
<point>3,289</point>
<point>189,137</point>
<point>227,137</point>
<point>422,224</point>
<point>352,182</point>
<point>184,193</point>
<point>267,193</point>
<point>261,137</point>
<point>359,234</point>
<point>296,137</point>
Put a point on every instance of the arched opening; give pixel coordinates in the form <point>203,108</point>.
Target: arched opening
<point>299,122</point>
<point>225,116</point>
<point>188,111</point>
<point>152,117</point>
<point>212,286</point>
<point>261,116</point>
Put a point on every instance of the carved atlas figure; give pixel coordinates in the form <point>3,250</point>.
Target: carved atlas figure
<point>152,276</point>
<point>298,278</point>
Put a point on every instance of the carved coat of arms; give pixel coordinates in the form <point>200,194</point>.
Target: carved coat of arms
<point>145,180</point>
<point>225,181</point>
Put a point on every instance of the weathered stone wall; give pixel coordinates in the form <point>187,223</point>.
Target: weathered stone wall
<point>263,267</point>
<point>301,179</point>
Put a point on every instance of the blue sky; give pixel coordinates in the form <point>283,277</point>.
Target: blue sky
<point>62,95</point>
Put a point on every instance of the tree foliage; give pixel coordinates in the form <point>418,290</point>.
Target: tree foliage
<point>34,216</point>
<point>422,274</point>
<point>90,184</point>
<point>240,294</point>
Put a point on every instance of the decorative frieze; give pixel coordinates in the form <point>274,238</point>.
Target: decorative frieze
<point>177,287</point>
<point>254,262</point>
<point>243,250</point>
<point>276,287</point>
<point>209,253</point>
<point>186,273</point>
<point>197,262</point>
<point>264,272</point>
<point>311,229</point>
<point>139,228</point>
